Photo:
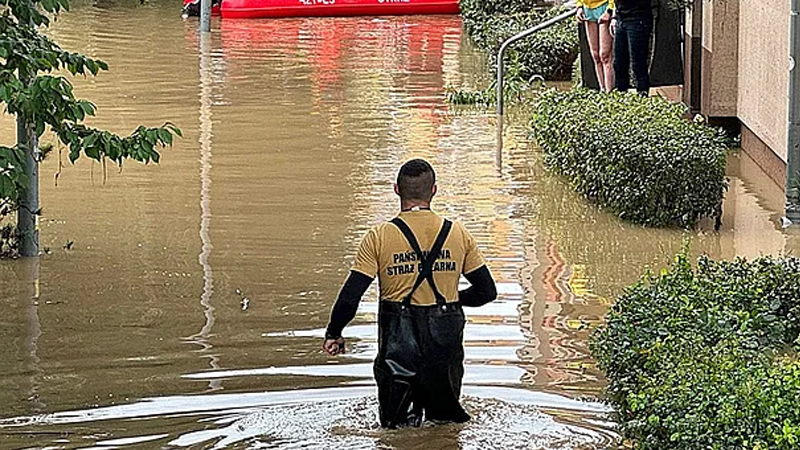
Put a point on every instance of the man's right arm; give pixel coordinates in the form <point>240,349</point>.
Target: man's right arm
<point>347,303</point>
<point>365,269</point>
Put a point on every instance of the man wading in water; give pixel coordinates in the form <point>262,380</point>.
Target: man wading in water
<point>418,258</point>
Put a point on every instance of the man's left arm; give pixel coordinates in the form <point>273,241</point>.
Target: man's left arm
<point>482,289</point>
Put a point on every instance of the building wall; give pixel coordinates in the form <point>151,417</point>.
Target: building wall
<point>763,55</point>
<point>744,76</point>
<point>720,73</point>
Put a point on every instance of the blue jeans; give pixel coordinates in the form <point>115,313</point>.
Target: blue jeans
<point>631,48</point>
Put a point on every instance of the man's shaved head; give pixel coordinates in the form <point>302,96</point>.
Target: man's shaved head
<point>415,180</point>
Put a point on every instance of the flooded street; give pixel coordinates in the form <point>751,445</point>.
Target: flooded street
<point>182,305</point>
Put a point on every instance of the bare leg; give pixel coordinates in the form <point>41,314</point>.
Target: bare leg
<point>592,32</point>
<point>606,55</point>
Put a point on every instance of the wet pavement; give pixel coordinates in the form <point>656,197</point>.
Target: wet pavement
<point>189,311</point>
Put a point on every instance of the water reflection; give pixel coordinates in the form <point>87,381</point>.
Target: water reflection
<point>206,81</point>
<point>28,272</point>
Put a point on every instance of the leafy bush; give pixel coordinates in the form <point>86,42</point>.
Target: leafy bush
<point>639,157</point>
<point>12,182</point>
<point>550,53</point>
<point>12,176</point>
<point>483,97</point>
<point>477,10</point>
<point>706,357</point>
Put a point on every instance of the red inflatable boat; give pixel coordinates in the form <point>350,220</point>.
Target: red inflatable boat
<point>308,8</point>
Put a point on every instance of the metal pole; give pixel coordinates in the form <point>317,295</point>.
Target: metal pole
<point>500,72</point>
<point>793,142</point>
<point>28,214</point>
<point>205,16</point>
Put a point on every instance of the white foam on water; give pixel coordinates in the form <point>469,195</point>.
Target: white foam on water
<point>472,332</point>
<point>341,418</point>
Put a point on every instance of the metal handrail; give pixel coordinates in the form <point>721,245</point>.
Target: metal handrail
<point>515,38</point>
<point>500,55</point>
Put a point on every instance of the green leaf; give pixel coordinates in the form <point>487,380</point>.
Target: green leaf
<point>92,66</point>
<point>90,140</point>
<point>87,107</point>
<point>93,152</point>
<point>165,136</point>
<point>174,129</point>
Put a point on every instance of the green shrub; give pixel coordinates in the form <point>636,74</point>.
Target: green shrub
<point>12,177</point>
<point>482,97</point>
<point>705,358</point>
<point>477,10</point>
<point>639,157</point>
<point>9,241</point>
<point>550,53</point>
<point>12,182</point>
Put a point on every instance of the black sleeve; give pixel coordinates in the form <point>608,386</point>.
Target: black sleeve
<point>347,304</point>
<point>482,291</point>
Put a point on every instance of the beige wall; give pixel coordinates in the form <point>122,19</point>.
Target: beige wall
<point>764,70</point>
<point>745,73</point>
<point>720,72</point>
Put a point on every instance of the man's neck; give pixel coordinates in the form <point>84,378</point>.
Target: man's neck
<point>412,205</point>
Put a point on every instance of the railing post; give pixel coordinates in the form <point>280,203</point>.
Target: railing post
<point>793,144</point>
<point>500,69</point>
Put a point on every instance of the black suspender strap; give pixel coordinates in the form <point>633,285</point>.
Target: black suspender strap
<point>426,273</point>
<point>422,275</point>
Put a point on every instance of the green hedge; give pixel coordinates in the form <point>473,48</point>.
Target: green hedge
<point>639,157</point>
<point>705,358</point>
<point>476,10</point>
<point>549,53</point>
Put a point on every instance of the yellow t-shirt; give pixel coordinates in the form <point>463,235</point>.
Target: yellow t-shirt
<point>595,3</point>
<point>384,252</point>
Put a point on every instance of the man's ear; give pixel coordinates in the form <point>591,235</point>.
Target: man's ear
<point>433,191</point>
<point>396,189</point>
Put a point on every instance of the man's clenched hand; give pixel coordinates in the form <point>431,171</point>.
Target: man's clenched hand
<point>333,347</point>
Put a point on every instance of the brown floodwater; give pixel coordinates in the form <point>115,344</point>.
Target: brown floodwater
<point>188,310</point>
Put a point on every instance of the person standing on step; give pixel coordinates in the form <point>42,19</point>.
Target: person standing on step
<point>632,25</point>
<point>418,258</point>
<point>596,17</point>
